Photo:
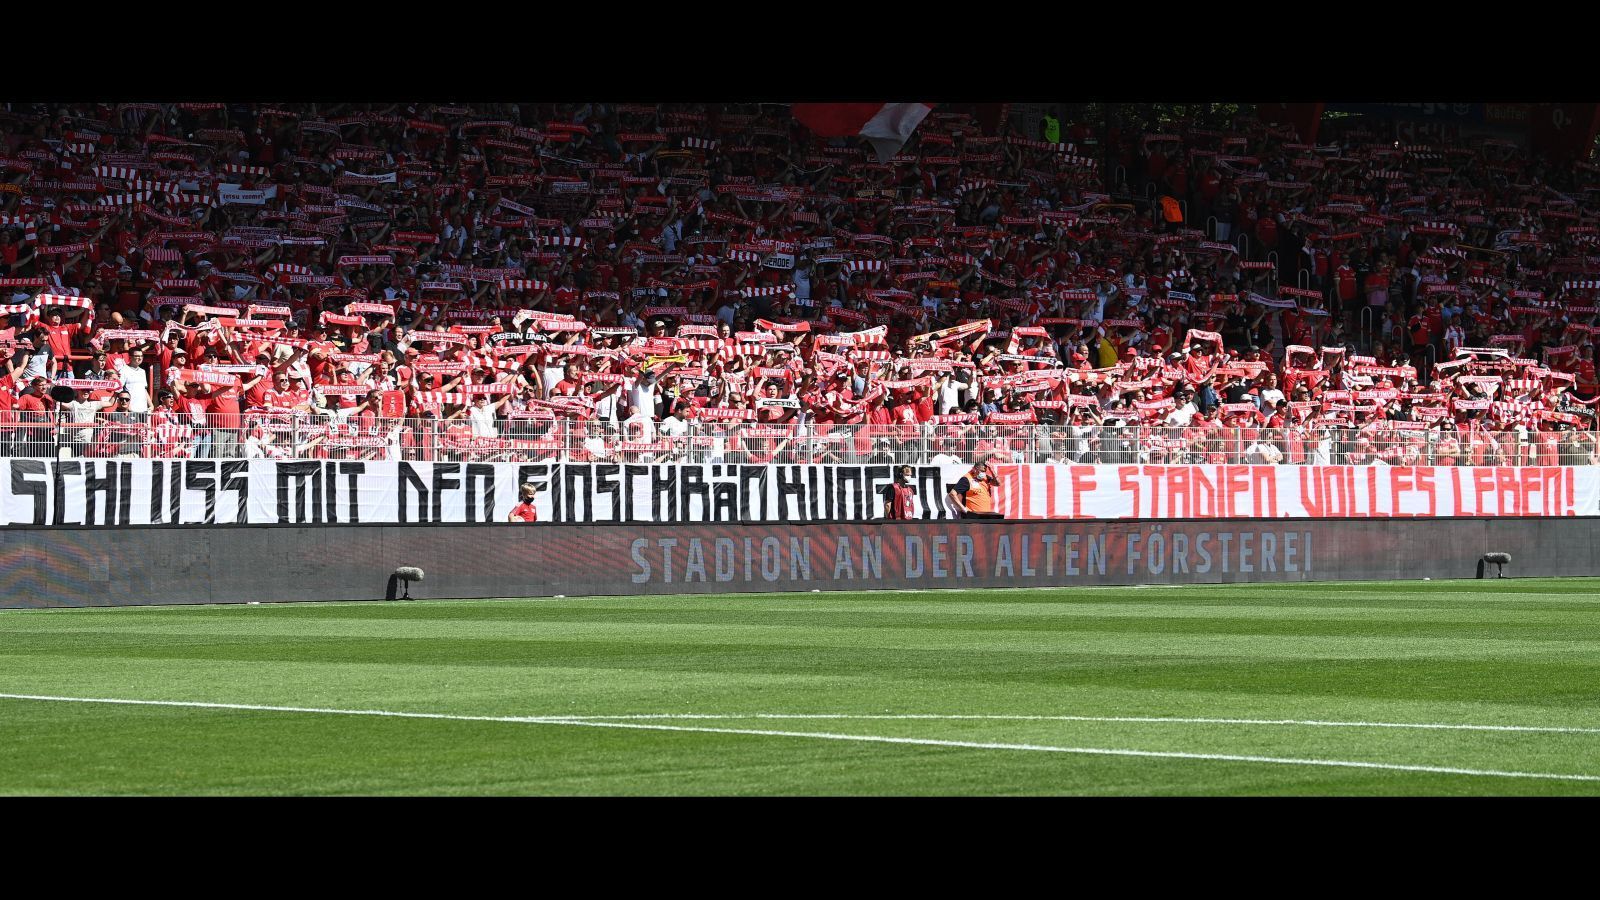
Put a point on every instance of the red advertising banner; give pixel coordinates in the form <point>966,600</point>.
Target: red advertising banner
<point>1295,492</point>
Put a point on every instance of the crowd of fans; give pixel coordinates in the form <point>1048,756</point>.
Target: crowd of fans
<point>679,281</point>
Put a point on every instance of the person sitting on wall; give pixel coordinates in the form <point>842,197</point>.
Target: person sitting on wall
<point>898,497</point>
<point>973,495</point>
<point>524,511</point>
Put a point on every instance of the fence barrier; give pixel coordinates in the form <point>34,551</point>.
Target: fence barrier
<point>283,436</point>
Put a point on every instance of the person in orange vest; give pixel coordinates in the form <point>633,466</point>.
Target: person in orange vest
<point>974,493</point>
<point>1171,213</point>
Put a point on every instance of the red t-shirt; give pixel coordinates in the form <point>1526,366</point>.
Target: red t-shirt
<point>1549,449</point>
<point>320,368</point>
<point>1156,166</point>
<point>1267,231</point>
<point>1434,316</point>
<point>1419,329</point>
<point>1586,376</point>
<point>525,512</point>
<point>224,409</point>
<point>283,399</point>
<point>1347,282</point>
<point>257,393</point>
<point>60,339</point>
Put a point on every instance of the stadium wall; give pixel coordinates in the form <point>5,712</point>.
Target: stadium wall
<point>50,567</point>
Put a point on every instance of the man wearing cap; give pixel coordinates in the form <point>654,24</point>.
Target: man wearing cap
<point>1185,410</point>
<point>973,495</point>
<point>178,359</point>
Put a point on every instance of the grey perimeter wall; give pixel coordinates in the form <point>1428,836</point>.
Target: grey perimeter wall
<point>152,565</point>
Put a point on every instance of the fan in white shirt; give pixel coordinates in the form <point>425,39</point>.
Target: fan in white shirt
<point>1184,414</point>
<point>135,383</point>
<point>1263,453</point>
<point>638,426</point>
<point>673,426</point>
<point>482,415</point>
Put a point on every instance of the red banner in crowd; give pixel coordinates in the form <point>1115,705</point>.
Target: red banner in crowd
<point>1295,492</point>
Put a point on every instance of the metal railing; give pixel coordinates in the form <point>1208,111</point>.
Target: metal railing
<point>299,436</point>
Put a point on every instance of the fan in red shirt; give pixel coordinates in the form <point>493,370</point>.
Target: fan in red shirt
<point>222,415</point>
<point>35,399</point>
<point>282,395</point>
<point>1198,364</point>
<point>1345,278</point>
<point>1587,384</point>
<point>60,338</point>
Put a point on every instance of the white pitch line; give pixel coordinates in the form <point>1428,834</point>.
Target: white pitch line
<point>824,735</point>
<point>1313,723</point>
<point>1088,751</point>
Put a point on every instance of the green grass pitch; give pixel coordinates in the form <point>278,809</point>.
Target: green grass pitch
<point>1318,689</point>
